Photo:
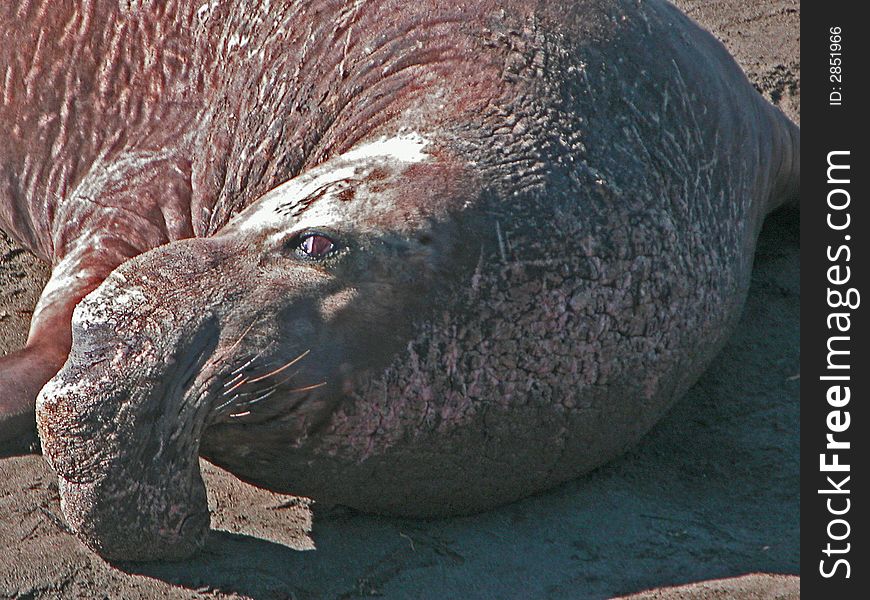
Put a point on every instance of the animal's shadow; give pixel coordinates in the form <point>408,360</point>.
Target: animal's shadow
<point>711,492</point>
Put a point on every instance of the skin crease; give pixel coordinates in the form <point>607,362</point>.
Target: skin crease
<point>543,231</point>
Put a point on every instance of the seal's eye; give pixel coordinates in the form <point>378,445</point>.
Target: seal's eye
<point>316,245</point>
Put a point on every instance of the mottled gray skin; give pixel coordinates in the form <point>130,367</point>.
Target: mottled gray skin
<point>559,246</point>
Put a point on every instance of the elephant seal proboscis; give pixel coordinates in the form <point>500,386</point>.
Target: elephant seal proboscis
<point>415,258</point>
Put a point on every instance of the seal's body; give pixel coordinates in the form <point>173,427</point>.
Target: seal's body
<point>415,259</point>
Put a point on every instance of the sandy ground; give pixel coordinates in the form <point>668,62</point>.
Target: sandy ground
<point>710,495</point>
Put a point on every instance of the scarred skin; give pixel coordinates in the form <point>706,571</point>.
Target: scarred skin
<point>539,222</point>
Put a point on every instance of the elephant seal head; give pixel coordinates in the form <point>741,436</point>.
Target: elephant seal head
<point>261,327</point>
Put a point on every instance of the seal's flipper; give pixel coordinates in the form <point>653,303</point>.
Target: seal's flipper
<point>22,375</point>
<point>25,372</point>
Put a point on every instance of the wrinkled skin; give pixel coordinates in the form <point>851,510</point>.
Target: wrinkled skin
<point>510,236</point>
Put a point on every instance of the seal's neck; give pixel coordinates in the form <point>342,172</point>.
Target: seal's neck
<point>298,84</point>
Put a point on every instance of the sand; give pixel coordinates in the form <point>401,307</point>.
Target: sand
<point>710,496</point>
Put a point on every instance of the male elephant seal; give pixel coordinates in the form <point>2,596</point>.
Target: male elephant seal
<point>417,258</point>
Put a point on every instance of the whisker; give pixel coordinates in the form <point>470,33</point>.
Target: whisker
<point>247,364</point>
<point>234,380</point>
<point>276,371</point>
<point>260,398</point>
<point>226,404</point>
<point>239,380</point>
<point>308,387</point>
<point>274,385</point>
<point>239,341</point>
<point>271,390</point>
<point>236,386</point>
<point>255,357</point>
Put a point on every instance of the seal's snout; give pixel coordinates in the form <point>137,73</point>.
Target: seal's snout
<point>127,494</point>
<point>136,524</point>
<point>121,422</point>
